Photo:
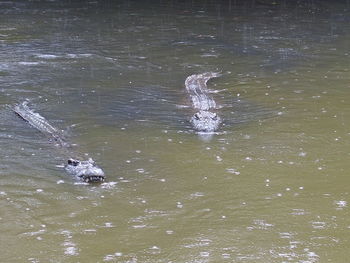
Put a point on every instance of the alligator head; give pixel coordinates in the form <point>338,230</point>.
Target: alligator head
<point>205,121</point>
<point>87,171</point>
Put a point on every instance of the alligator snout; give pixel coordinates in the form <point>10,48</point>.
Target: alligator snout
<point>87,171</point>
<point>92,178</point>
<point>206,121</point>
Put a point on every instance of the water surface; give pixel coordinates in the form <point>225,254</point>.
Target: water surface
<point>271,186</point>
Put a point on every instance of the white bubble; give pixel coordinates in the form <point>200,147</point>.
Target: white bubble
<point>108,185</point>
<point>341,203</point>
<point>154,247</point>
<point>108,258</point>
<point>232,171</point>
<point>71,251</point>
<point>318,225</point>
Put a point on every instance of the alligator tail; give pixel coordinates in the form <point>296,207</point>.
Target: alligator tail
<point>39,122</point>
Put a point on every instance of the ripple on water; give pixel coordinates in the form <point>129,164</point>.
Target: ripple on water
<point>70,248</point>
<point>113,257</point>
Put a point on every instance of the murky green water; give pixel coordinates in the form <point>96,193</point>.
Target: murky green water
<point>271,186</point>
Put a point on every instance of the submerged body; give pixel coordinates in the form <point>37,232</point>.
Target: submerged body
<point>87,171</point>
<point>39,122</point>
<point>205,119</point>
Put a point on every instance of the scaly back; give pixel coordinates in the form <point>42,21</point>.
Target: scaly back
<point>38,122</point>
<point>196,86</point>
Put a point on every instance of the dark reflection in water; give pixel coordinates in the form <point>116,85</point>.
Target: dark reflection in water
<point>170,109</point>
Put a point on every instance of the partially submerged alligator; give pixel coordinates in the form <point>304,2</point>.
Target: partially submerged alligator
<point>87,170</point>
<point>205,119</point>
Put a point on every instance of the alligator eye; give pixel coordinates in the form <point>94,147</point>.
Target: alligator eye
<point>73,162</point>
<point>196,116</point>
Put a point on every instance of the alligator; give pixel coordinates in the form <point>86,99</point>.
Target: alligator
<point>205,119</point>
<point>85,170</point>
